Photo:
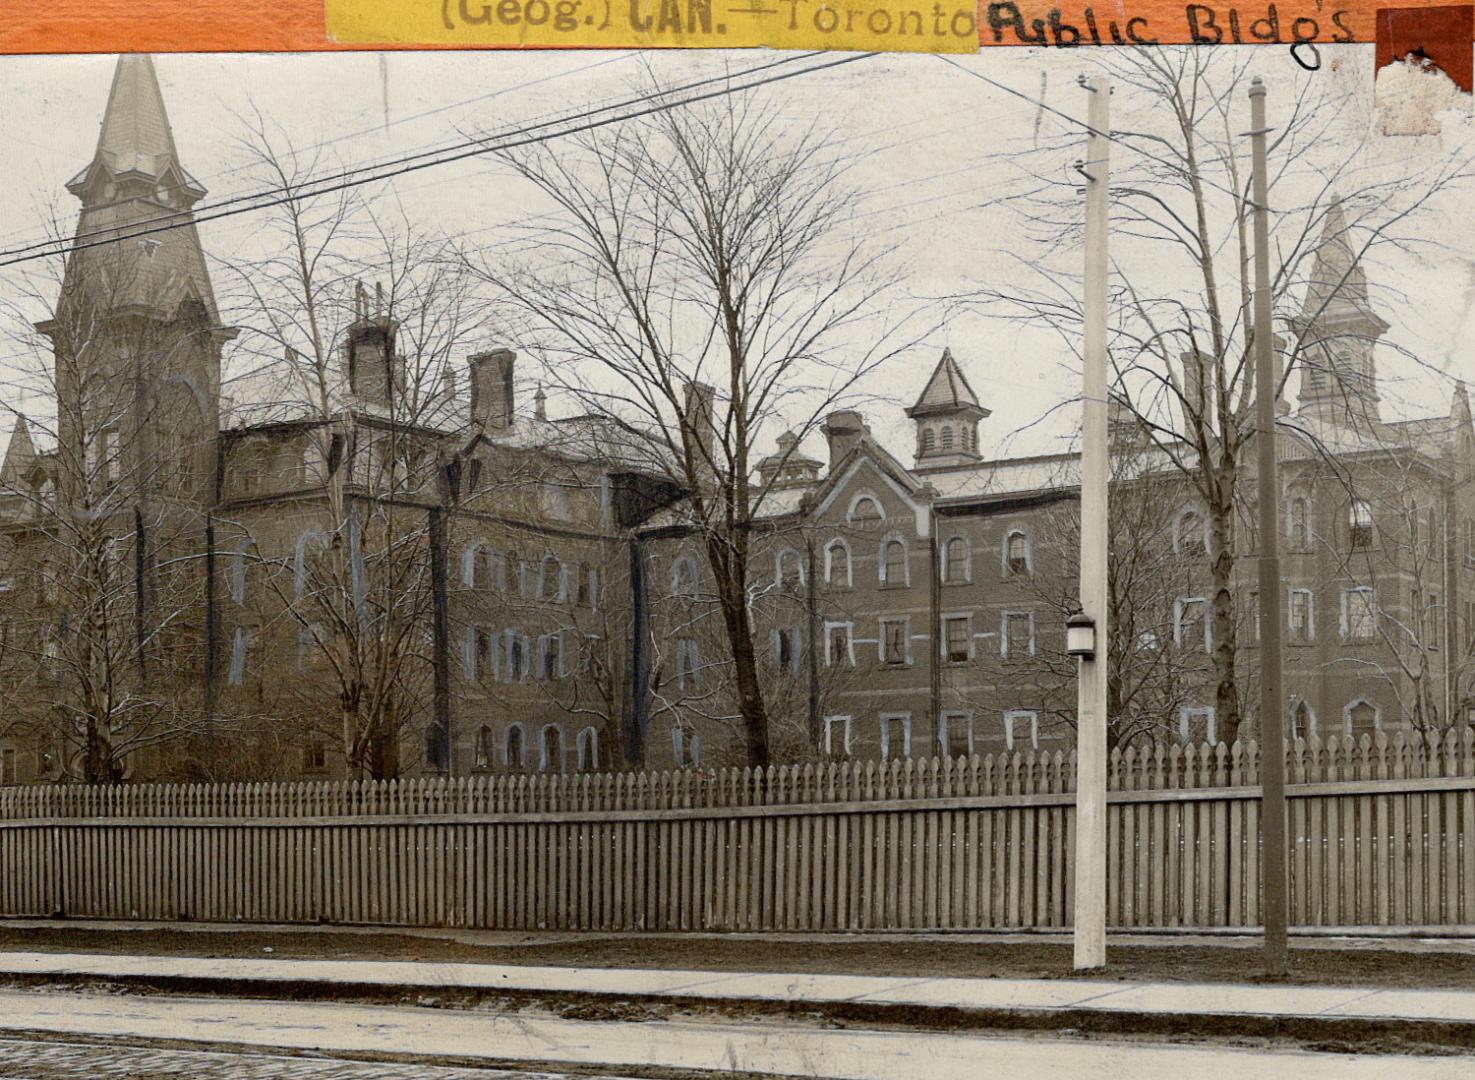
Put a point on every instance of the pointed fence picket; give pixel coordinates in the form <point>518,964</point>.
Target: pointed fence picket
<point>1381,832</point>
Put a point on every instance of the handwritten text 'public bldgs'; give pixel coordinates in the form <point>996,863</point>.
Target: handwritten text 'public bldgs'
<point>1205,25</point>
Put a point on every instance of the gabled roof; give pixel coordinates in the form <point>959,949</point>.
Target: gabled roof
<point>947,391</point>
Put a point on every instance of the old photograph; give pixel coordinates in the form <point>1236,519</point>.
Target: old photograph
<point>738,562</point>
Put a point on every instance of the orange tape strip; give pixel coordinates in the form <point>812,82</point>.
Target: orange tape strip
<point>80,26</point>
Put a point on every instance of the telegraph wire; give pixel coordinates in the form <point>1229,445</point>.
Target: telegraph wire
<point>471,147</point>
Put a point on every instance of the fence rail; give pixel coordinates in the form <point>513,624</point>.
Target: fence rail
<point>1382,832</point>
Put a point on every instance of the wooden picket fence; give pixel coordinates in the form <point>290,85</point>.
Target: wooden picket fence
<point>1382,832</point>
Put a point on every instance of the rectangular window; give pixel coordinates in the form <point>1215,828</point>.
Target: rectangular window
<point>893,563</point>
<point>1300,616</point>
<point>7,767</point>
<point>238,646</point>
<point>315,756</point>
<point>1359,614</point>
<point>955,734</point>
<point>896,735</point>
<point>1021,730</point>
<point>894,641</point>
<point>1190,621</point>
<point>1017,634</point>
<point>956,639</point>
<point>786,650</point>
<point>1196,724</point>
<point>837,736</point>
<point>1432,615</point>
<point>837,645</point>
<point>688,663</point>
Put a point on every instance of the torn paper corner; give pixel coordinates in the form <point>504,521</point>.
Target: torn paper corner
<point>1412,92</point>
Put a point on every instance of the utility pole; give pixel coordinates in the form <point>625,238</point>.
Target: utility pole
<point>1272,727</point>
<point>1091,628</point>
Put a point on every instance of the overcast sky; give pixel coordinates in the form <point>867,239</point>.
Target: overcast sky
<point>928,128</point>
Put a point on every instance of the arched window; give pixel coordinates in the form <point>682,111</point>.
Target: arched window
<point>929,440</point>
<point>837,564</point>
<point>550,749</point>
<point>947,437</point>
<point>517,656</point>
<point>587,746</point>
<point>550,656</point>
<point>484,746</point>
<point>514,755</point>
<point>865,511</point>
<point>309,544</point>
<point>552,582</point>
<point>517,573</point>
<point>1018,559</point>
<point>1188,533</point>
<point>684,576</point>
<point>956,559</point>
<point>1303,720</point>
<point>1359,525</point>
<point>789,572</point>
<point>894,562</point>
<point>1298,522</point>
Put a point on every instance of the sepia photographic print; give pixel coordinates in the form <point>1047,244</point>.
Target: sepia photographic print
<point>712,563</point>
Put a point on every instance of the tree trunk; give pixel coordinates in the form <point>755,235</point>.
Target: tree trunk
<point>1227,714</point>
<point>732,598</point>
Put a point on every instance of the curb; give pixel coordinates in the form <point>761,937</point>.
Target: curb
<point>1325,1033</point>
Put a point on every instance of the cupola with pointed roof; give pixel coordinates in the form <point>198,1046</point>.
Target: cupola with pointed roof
<point>947,415</point>
<point>1338,330</point>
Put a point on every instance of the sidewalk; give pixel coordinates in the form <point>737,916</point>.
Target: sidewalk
<point>1076,996</point>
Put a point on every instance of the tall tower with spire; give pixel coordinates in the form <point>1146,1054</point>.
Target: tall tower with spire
<point>947,415</point>
<point>1339,330</point>
<point>136,335</point>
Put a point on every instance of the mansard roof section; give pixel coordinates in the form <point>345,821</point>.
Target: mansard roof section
<point>1338,291</point>
<point>947,391</point>
<point>136,138</point>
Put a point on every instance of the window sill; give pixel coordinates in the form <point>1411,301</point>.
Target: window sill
<point>894,585</point>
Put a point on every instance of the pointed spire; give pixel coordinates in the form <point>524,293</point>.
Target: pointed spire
<point>1459,403</point>
<point>133,181</point>
<point>20,456</point>
<point>1338,282</point>
<point>136,139</point>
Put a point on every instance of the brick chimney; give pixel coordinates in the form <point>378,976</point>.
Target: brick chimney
<point>699,425</point>
<point>843,431</point>
<point>375,372</point>
<point>492,397</point>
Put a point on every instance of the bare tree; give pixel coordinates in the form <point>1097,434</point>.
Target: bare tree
<point>101,506</point>
<point>351,387</point>
<point>702,281</point>
<point>1182,341</point>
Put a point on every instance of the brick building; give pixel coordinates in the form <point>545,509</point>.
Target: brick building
<point>447,580</point>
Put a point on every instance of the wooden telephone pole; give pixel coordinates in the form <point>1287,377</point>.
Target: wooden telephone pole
<point>1091,718</point>
<point>1272,726</point>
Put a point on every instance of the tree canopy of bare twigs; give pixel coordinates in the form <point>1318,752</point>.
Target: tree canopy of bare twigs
<point>703,282</point>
